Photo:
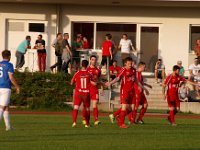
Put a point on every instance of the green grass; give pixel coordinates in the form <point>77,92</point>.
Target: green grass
<point>35,132</point>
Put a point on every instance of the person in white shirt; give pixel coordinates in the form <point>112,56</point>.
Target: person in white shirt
<point>193,69</point>
<point>126,46</point>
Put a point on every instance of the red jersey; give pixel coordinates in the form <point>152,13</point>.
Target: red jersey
<point>106,46</point>
<point>128,78</point>
<point>95,72</point>
<point>139,78</point>
<point>82,79</point>
<point>172,82</point>
<point>115,70</point>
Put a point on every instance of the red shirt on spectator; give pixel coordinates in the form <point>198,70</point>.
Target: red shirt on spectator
<point>85,45</point>
<point>106,48</point>
<point>115,70</point>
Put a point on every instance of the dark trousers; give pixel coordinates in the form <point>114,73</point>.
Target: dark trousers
<point>65,66</point>
<point>20,59</point>
<point>58,64</point>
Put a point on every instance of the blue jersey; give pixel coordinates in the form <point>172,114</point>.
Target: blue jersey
<point>5,68</point>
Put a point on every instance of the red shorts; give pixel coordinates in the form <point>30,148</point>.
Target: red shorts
<point>140,99</point>
<point>94,93</point>
<point>173,100</point>
<point>80,97</point>
<point>175,104</point>
<point>127,96</point>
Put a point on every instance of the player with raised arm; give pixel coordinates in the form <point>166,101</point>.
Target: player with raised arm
<point>82,92</point>
<point>127,74</point>
<point>172,83</point>
<point>6,78</point>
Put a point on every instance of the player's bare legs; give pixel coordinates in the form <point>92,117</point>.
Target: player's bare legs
<point>4,113</point>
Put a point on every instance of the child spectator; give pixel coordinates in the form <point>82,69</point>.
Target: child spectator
<point>183,92</point>
<point>85,43</point>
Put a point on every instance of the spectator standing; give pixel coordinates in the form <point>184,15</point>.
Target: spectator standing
<point>106,50</point>
<point>126,46</point>
<point>41,51</point>
<point>67,54</point>
<point>182,70</point>
<point>159,71</point>
<point>193,69</point>
<point>57,44</point>
<point>77,45</point>
<point>197,50</point>
<point>21,50</point>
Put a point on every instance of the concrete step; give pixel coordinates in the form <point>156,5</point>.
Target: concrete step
<point>158,105</point>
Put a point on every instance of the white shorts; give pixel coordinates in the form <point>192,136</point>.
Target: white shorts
<point>5,96</point>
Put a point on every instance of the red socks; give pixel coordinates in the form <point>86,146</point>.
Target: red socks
<point>74,115</point>
<point>171,114</point>
<point>84,113</point>
<point>87,118</point>
<point>134,114</point>
<point>95,113</point>
<point>115,114</point>
<point>142,112</point>
<point>122,117</point>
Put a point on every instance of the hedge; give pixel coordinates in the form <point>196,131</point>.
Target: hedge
<point>42,91</point>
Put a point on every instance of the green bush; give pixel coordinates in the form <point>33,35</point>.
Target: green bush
<point>42,91</point>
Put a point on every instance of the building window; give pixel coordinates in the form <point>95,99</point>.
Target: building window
<point>194,35</point>
<point>86,30</point>
<point>15,26</point>
<point>36,27</point>
<point>116,30</point>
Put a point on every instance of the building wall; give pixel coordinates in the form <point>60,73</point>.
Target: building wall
<point>174,31</point>
<point>33,13</point>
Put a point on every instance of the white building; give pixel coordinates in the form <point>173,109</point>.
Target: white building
<point>159,29</point>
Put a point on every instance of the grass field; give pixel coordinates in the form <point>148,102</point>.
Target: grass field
<point>53,132</point>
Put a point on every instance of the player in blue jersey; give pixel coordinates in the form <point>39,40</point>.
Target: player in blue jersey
<point>6,78</point>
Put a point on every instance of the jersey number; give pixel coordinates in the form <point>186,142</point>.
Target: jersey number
<point>83,83</point>
<point>1,72</point>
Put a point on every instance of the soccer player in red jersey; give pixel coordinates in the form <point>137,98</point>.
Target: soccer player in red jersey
<point>94,93</point>
<point>172,83</point>
<point>82,92</point>
<point>127,74</point>
<point>140,98</point>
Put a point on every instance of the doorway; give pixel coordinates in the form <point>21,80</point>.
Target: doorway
<point>148,40</point>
